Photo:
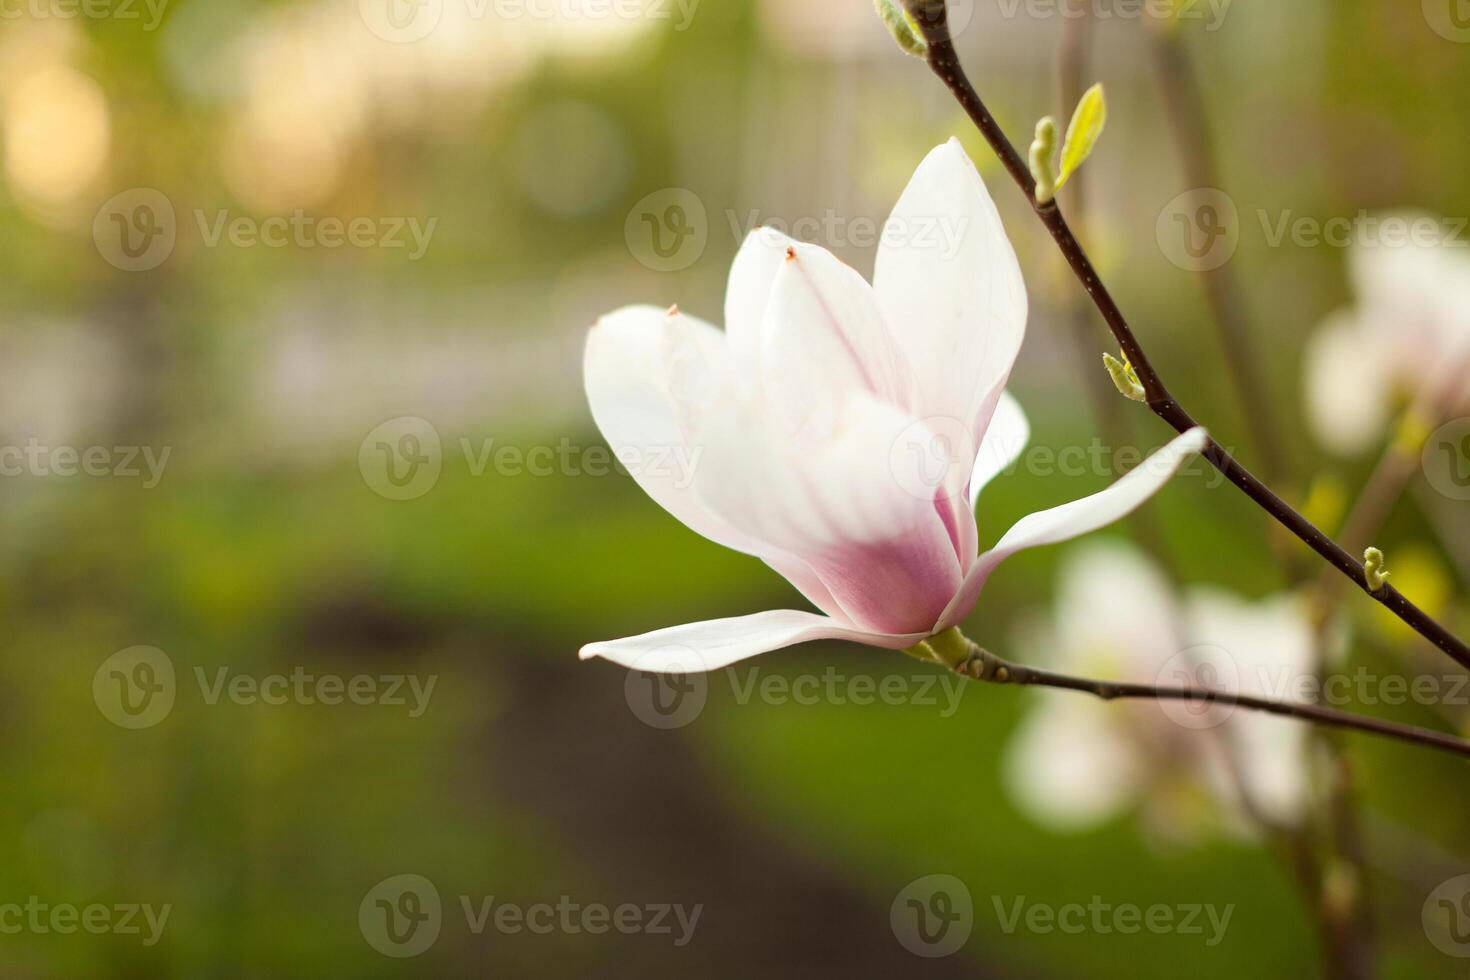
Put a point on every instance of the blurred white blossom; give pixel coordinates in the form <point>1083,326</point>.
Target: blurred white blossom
<point>1187,768</point>
<point>1407,336</point>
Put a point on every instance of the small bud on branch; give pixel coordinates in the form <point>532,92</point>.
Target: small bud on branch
<point>1043,149</point>
<point>902,26</point>
<point>1125,378</point>
<point>1373,569</point>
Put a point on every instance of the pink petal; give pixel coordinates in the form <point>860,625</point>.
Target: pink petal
<point>853,507</point>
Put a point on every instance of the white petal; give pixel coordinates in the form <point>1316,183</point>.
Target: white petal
<point>652,376</point>
<point>1076,518</point>
<point>628,367</point>
<point>948,281</point>
<point>748,293</point>
<point>721,642</point>
<point>825,338</point>
<point>1348,385</point>
<point>1005,440</point>
<point>798,494</point>
<point>1069,767</point>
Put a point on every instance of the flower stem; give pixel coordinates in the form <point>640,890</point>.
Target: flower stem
<point>945,63</point>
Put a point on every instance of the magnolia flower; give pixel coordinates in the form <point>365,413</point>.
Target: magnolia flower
<point>1076,763</point>
<point>843,431</point>
<point>1409,334</point>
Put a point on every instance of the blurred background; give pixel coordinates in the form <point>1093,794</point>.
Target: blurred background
<point>290,401</point>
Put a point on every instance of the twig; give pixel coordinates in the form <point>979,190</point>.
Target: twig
<point>944,62</point>
<point>980,664</point>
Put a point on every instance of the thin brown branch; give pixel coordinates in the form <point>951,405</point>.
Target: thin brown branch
<point>945,63</point>
<point>981,664</point>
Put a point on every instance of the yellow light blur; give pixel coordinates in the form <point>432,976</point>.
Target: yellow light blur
<point>317,79</point>
<point>57,133</point>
